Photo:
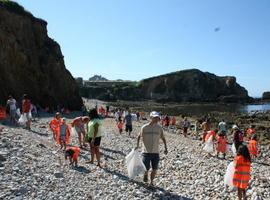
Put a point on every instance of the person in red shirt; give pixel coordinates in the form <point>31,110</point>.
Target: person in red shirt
<point>26,109</point>
<point>250,131</point>
<point>253,146</point>
<point>120,125</point>
<point>72,153</point>
<point>54,124</point>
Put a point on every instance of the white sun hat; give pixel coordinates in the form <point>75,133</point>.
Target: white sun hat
<point>154,114</point>
<point>235,127</point>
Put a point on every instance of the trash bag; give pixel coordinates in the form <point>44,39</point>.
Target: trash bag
<point>228,178</point>
<point>209,145</point>
<point>233,149</point>
<point>30,115</point>
<point>22,119</point>
<point>18,112</point>
<point>134,164</point>
<point>73,131</point>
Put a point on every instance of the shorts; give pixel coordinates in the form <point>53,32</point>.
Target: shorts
<point>80,129</point>
<point>96,142</point>
<point>128,128</point>
<point>150,158</point>
<point>185,129</point>
<point>12,113</point>
<point>63,138</point>
<point>27,115</point>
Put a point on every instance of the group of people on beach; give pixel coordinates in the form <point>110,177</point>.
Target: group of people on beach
<point>88,131</point>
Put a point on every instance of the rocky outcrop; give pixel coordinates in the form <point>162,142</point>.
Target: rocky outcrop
<point>193,86</point>
<point>266,96</point>
<point>31,62</point>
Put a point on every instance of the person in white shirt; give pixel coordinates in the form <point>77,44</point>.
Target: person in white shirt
<point>222,127</point>
<point>11,104</point>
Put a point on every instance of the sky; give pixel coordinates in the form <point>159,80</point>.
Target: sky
<point>137,39</point>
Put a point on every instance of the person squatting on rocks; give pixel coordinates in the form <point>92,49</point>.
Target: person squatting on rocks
<point>72,153</point>
<point>242,171</point>
<point>151,133</point>
<point>11,105</point>
<point>78,124</point>
<point>93,135</point>
<point>128,122</point>
<point>26,108</point>
<point>237,136</point>
<point>54,124</point>
<point>63,134</point>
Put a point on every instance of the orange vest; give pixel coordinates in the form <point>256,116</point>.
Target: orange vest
<point>221,144</point>
<point>252,147</point>
<point>76,152</point>
<point>120,125</point>
<point>3,114</point>
<point>54,123</point>
<point>173,120</point>
<point>67,134</point>
<point>209,134</point>
<point>241,175</point>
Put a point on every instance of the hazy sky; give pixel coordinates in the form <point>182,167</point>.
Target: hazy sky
<point>136,39</point>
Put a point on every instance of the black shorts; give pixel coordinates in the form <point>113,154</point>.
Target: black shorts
<point>151,158</point>
<point>128,128</point>
<point>96,142</point>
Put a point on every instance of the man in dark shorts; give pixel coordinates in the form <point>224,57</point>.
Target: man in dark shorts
<point>128,121</point>
<point>151,133</point>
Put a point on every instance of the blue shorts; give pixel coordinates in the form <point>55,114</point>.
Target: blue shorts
<point>151,158</point>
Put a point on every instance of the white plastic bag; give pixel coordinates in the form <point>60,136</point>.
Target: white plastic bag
<point>209,145</point>
<point>22,119</point>
<point>73,131</point>
<point>228,178</point>
<point>18,112</point>
<point>30,115</point>
<point>134,164</point>
<point>233,149</point>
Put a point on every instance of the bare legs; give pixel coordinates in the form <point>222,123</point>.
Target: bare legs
<point>241,194</point>
<point>94,151</point>
<point>152,177</point>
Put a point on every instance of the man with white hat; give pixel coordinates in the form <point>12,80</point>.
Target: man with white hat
<point>151,133</point>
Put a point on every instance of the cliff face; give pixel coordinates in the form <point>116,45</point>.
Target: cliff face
<point>193,85</point>
<point>31,62</point>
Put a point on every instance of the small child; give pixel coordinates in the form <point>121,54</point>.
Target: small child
<point>63,134</point>
<point>221,144</point>
<point>241,175</point>
<point>72,153</point>
<point>120,125</point>
<point>252,146</point>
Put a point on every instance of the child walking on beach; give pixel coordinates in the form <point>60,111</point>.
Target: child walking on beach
<point>63,134</point>
<point>253,147</point>
<point>221,144</point>
<point>242,171</point>
<point>120,125</point>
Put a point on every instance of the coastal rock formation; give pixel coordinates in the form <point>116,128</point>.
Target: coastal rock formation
<point>266,96</point>
<point>31,62</point>
<point>193,86</point>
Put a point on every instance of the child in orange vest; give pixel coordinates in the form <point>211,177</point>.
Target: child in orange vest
<point>54,123</point>
<point>72,153</point>
<point>221,144</point>
<point>252,146</point>
<point>63,134</point>
<point>120,125</point>
<point>241,175</point>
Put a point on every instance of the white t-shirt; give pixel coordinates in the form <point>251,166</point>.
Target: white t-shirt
<point>12,104</point>
<point>222,126</point>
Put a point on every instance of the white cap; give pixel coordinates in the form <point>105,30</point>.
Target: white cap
<point>154,114</point>
<point>235,127</point>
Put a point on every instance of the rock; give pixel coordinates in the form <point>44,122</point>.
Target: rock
<point>31,61</point>
<point>266,96</point>
<point>59,175</point>
<point>2,157</point>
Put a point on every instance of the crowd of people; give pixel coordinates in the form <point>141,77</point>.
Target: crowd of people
<point>88,131</point>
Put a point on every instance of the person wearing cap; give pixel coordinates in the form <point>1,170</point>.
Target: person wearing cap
<point>237,136</point>
<point>151,133</point>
